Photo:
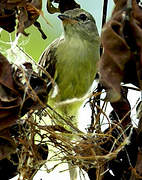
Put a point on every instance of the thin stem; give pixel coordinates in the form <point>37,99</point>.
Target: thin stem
<point>104,12</point>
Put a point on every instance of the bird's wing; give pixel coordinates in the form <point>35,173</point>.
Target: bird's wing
<point>48,62</point>
<point>48,59</point>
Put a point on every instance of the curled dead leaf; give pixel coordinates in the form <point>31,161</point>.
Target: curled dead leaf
<point>63,5</point>
<point>27,13</point>
<point>121,60</point>
<point>51,8</point>
<point>8,21</point>
<point>21,90</point>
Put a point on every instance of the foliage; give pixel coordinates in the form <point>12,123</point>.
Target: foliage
<point>30,129</point>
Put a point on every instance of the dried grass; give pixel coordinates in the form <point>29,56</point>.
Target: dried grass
<point>67,143</point>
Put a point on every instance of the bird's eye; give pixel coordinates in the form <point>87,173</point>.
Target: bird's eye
<point>83,17</point>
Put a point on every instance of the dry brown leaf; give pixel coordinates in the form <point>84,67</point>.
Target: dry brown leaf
<point>63,5</point>
<point>21,90</point>
<point>121,59</point>
<point>27,13</point>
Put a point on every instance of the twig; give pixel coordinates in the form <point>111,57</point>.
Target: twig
<point>104,12</point>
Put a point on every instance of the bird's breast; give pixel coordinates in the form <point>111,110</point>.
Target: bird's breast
<point>76,68</point>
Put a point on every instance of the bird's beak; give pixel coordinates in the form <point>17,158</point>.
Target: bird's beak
<point>67,19</point>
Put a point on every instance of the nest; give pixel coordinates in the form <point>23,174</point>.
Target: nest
<point>65,143</point>
<point>85,150</point>
<point>42,131</point>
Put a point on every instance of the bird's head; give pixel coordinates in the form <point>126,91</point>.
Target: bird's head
<point>79,22</point>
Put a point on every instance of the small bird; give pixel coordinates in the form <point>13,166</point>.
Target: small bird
<point>72,61</point>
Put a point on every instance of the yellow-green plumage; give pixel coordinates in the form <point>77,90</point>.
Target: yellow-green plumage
<point>75,71</point>
<point>72,62</point>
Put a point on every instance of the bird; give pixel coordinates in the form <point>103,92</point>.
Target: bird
<point>72,62</point>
